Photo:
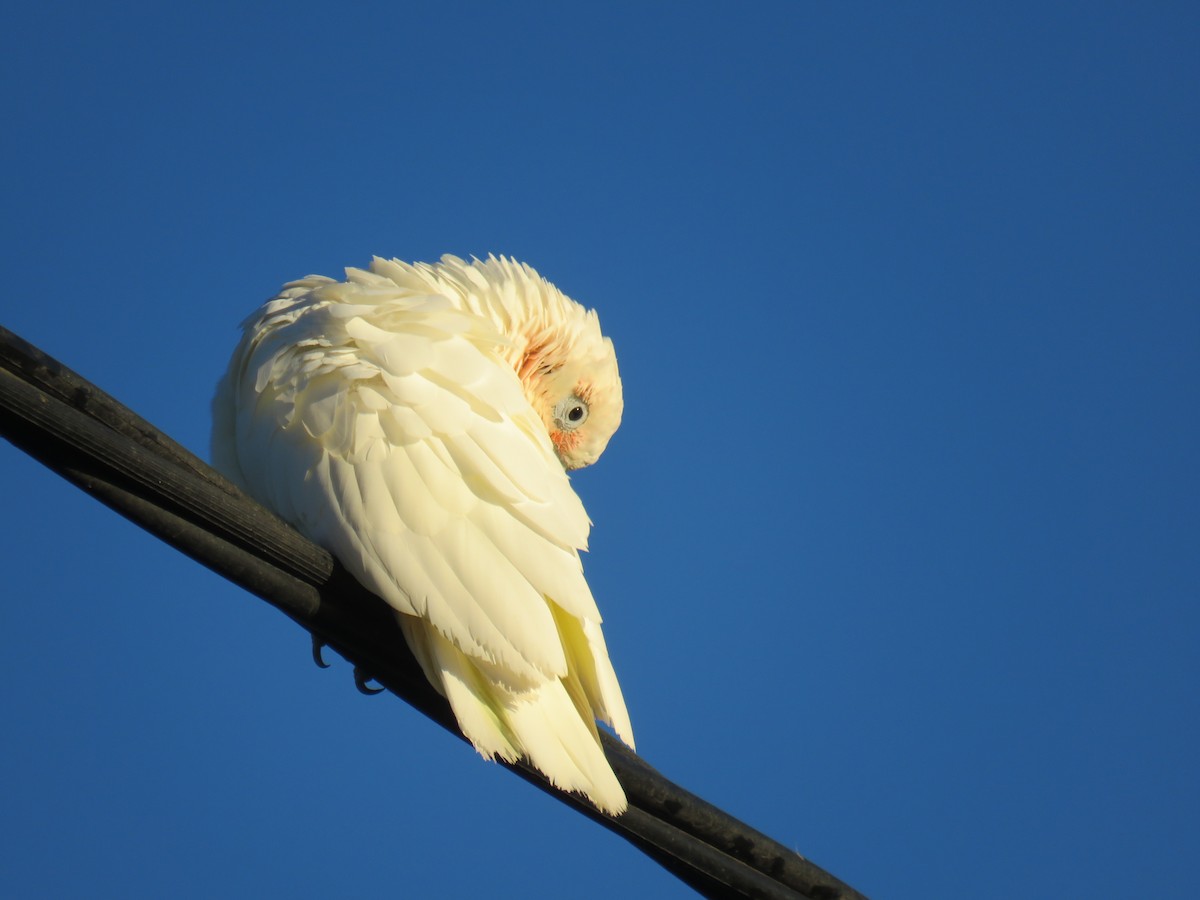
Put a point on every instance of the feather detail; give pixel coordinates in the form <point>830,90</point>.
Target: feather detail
<point>399,418</point>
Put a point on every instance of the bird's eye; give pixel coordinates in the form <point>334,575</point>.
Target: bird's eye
<point>570,413</point>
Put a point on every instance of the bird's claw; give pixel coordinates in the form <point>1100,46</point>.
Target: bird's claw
<point>360,681</point>
<point>317,658</point>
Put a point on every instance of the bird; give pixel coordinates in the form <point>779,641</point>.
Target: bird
<point>419,420</point>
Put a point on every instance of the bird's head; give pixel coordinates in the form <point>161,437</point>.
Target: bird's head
<point>569,372</point>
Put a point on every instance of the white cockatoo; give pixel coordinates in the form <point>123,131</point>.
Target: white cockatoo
<point>418,421</point>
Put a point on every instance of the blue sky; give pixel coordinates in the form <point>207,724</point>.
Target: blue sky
<point>898,545</point>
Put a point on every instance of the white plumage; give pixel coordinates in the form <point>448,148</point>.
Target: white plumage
<point>418,421</point>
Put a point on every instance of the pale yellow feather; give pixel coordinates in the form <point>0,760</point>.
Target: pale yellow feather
<point>385,417</point>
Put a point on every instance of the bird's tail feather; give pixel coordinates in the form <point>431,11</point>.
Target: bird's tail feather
<point>551,724</point>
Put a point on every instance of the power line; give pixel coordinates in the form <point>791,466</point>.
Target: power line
<point>87,437</point>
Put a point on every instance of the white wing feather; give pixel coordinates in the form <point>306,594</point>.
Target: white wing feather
<point>387,425</point>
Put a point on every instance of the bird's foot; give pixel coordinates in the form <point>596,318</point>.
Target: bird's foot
<point>318,644</point>
<point>360,681</point>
